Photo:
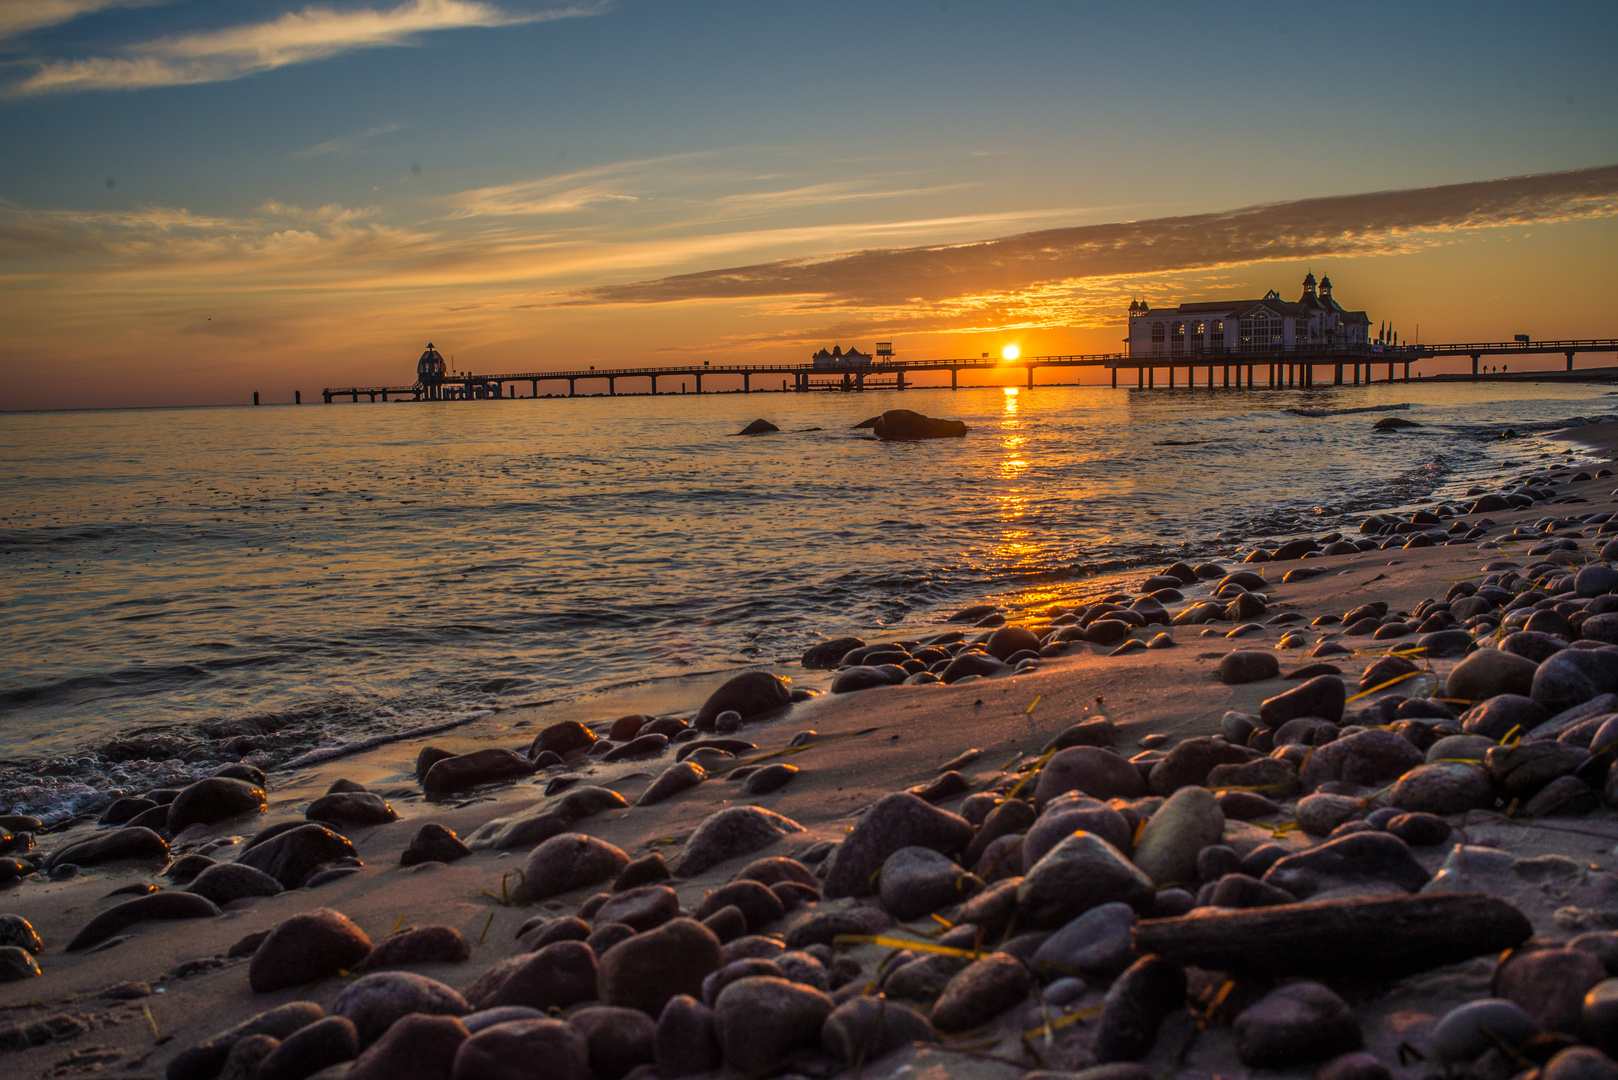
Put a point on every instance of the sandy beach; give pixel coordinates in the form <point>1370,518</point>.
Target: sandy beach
<point>148,992</point>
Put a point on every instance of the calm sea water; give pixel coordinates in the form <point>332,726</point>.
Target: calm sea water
<point>181,586</point>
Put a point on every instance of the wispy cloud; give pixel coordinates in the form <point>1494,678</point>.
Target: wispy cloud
<point>21,16</point>
<point>999,270</point>
<point>296,37</point>
<point>344,144</point>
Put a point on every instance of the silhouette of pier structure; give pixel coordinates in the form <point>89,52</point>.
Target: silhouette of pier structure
<point>1341,365</point>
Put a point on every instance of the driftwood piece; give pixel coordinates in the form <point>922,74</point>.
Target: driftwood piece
<point>1371,937</point>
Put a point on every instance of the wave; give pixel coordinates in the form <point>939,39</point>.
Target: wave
<point>1317,413</point>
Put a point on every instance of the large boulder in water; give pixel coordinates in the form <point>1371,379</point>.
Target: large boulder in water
<point>758,427</point>
<point>902,424</point>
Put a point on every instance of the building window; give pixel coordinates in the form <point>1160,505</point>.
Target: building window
<point>1261,333</point>
<point>1197,332</point>
<point>1177,339</point>
<point>1157,339</point>
<point>1216,335</point>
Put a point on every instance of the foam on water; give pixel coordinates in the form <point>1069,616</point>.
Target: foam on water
<point>183,587</point>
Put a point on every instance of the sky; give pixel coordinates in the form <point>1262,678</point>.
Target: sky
<point>200,200</point>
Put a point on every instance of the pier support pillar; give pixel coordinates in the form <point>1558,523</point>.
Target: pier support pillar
<point>1114,384</point>
<point>1227,376</point>
<point>900,377</point>
<point>859,381</point>
<point>533,387</point>
<point>1407,370</point>
<point>1339,373</point>
<point>1171,376</point>
<point>747,386</point>
<point>1569,355</point>
<point>1151,378</point>
<point>570,389</point>
<point>953,372</point>
<point>699,382</point>
<point>612,386</point>
<point>1390,370</point>
<point>1210,376</point>
<point>1031,373</point>
<point>1475,357</point>
<point>1140,378</point>
<point>297,397</point>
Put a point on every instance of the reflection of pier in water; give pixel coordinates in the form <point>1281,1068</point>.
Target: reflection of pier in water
<point>1339,366</point>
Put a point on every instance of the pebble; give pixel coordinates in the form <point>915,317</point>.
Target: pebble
<point>752,693</point>
<point>1463,1034</point>
<point>770,778</point>
<point>1135,1007</point>
<point>1488,672</point>
<point>1321,813</point>
<point>1168,846</point>
<point>1276,776</point>
<point>465,771</point>
<point>224,882</point>
<point>294,856</point>
<point>310,1049</point>
<point>1419,829</point>
<point>1248,666</point>
<point>1359,1065</point>
<point>981,991</point>
<point>732,832</point>
<point>434,843</point>
<point>639,747</point>
<point>214,799</point>
<point>895,821</point>
<point>1497,717</point>
<point>923,979</point>
<point>1525,768</point>
<point>18,931</point>
<point>1010,817</point>
<point>617,1039</point>
<point>558,975</point>
<point>759,905</point>
<point>763,1021</point>
<point>1443,788</point>
<point>916,880</point>
<point>1460,747</point>
<point>1294,1025</point>
<point>563,738</point>
<point>17,964</point>
<point>678,777</point>
<point>306,947</point>
<point>651,968</point>
<point>1322,696</point>
<point>417,945</point>
<point>1368,758</point>
<point>685,1041</point>
<point>1190,763</point>
<point>649,869</point>
<point>864,1029</point>
<point>158,906</point>
<point>1080,873</point>
<point>1355,860</point>
<point>1096,944</point>
<point>1550,984</point>
<point>1242,891</point>
<point>1579,1063</point>
<point>375,1002</point>
<point>415,1048</point>
<point>1101,774</point>
<point>203,1061</point>
<point>642,907</point>
<point>135,842</point>
<point>354,807</point>
<point>483,1018</point>
<point>567,862</point>
<point>1070,814</point>
<point>510,1051</point>
<point>828,654</point>
<point>1599,1014</point>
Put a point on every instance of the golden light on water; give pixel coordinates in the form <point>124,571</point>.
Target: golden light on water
<point>1011,352</point>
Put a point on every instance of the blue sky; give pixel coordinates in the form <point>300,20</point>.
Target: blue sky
<point>313,176</point>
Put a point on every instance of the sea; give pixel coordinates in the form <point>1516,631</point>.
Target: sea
<point>181,587</point>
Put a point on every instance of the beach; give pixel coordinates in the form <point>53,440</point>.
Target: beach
<point>135,1000</point>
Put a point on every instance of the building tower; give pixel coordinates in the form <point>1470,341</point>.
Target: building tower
<point>430,373</point>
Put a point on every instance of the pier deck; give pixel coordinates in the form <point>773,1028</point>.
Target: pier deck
<point>1347,365</point>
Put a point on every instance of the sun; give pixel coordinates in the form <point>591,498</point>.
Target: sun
<point>1010,352</point>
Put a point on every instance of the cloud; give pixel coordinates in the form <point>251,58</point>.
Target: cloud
<point>344,144</point>
<point>21,16</point>
<point>296,37</point>
<point>1005,271</point>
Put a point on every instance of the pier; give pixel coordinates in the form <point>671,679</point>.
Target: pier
<point>1349,365</point>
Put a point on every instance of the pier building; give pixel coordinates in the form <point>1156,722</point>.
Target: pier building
<point>1269,324</point>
